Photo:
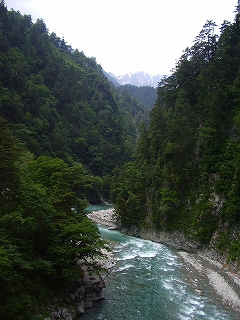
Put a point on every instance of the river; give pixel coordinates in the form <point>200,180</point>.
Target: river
<point>151,282</point>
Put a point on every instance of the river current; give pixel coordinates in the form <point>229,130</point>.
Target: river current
<point>150,282</point>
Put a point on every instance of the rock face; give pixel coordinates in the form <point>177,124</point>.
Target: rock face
<point>82,294</point>
<point>178,240</point>
<point>79,296</point>
<point>94,285</point>
<point>175,239</point>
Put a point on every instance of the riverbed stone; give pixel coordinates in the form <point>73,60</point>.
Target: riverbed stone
<point>81,308</point>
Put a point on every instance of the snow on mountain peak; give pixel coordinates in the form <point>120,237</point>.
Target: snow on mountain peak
<point>139,79</point>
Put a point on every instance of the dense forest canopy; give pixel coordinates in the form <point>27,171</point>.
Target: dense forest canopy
<point>43,227</point>
<point>146,94</point>
<point>59,102</point>
<point>185,175</point>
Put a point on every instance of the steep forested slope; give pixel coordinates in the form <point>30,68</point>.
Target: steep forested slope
<point>58,101</point>
<point>146,94</point>
<point>186,172</point>
<point>61,125</point>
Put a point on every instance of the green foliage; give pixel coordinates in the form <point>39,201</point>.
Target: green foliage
<point>227,242</point>
<point>43,227</point>
<point>234,251</point>
<point>185,173</point>
<point>59,102</point>
<point>127,193</point>
<point>146,94</point>
<point>71,124</point>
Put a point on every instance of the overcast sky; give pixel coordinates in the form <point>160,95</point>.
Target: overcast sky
<point>128,35</point>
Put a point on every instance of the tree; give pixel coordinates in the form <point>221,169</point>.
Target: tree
<point>43,227</point>
<point>10,149</point>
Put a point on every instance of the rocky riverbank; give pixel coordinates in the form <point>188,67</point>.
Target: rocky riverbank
<point>175,239</point>
<point>82,294</point>
<point>205,269</point>
<point>104,217</point>
<point>77,297</point>
<point>211,277</point>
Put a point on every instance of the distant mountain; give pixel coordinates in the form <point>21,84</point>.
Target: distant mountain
<point>111,77</point>
<point>137,79</point>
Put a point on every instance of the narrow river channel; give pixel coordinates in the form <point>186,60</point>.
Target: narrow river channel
<point>150,282</point>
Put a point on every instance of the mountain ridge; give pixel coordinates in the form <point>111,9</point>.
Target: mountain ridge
<point>138,79</point>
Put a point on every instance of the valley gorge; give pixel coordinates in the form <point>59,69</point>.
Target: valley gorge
<point>167,158</point>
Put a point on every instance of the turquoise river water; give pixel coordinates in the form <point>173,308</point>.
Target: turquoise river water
<point>150,282</point>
